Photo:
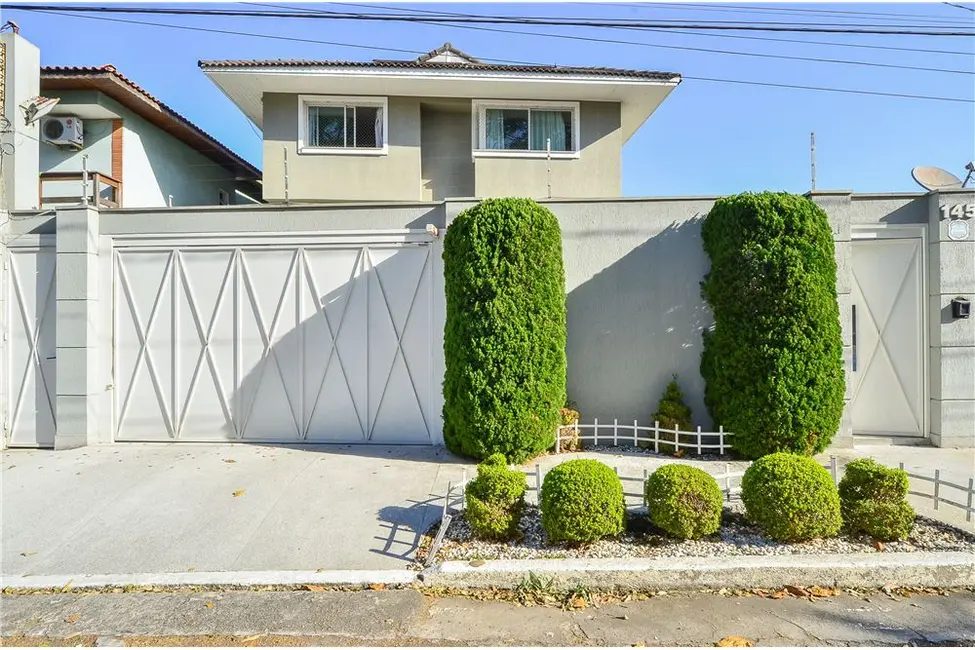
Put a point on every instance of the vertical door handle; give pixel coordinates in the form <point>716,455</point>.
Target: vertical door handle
<point>854,338</point>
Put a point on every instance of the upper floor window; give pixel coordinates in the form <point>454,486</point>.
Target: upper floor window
<point>533,129</point>
<point>342,125</point>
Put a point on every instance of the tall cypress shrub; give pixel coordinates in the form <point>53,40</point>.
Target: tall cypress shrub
<point>504,338</point>
<point>773,363</point>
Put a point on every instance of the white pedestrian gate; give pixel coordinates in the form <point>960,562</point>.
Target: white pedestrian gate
<point>29,342</point>
<point>317,339</point>
<point>888,336</point>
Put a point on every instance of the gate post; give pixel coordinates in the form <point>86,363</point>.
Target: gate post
<point>951,278</point>
<point>838,207</point>
<point>77,278</point>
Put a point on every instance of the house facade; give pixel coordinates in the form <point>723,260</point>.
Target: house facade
<point>68,121</point>
<point>443,125</point>
<point>318,316</point>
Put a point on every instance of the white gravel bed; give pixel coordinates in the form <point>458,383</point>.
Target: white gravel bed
<point>736,537</point>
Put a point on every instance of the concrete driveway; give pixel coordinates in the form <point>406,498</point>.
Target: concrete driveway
<point>141,508</point>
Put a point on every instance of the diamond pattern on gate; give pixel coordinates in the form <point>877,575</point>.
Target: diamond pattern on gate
<point>333,355</point>
<point>32,333</point>
<point>205,333</point>
<point>399,353</point>
<point>143,333</point>
<point>268,312</point>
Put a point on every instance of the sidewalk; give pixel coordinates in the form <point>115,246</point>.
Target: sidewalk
<point>408,617</point>
<point>143,508</point>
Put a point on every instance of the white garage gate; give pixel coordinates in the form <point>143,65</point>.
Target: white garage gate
<point>29,343</point>
<point>317,338</point>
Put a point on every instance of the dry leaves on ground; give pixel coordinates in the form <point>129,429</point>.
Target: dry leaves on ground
<point>734,642</point>
<point>229,460</point>
<point>314,587</point>
<point>238,493</point>
<point>208,605</point>
<point>377,587</point>
<point>71,620</point>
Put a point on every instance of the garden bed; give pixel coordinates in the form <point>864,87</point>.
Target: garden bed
<point>735,538</point>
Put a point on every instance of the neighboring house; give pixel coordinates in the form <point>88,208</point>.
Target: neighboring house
<point>138,152</point>
<point>443,125</point>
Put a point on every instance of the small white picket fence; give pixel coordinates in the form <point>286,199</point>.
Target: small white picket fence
<point>622,434</point>
<point>729,481</point>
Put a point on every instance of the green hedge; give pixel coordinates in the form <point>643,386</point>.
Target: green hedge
<point>504,338</point>
<point>582,501</point>
<point>773,363</point>
<point>684,501</point>
<point>495,498</point>
<point>873,498</point>
<point>792,498</point>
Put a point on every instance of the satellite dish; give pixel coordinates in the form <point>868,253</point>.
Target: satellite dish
<point>935,178</point>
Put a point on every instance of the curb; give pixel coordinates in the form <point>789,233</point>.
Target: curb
<point>944,569</point>
<point>212,578</point>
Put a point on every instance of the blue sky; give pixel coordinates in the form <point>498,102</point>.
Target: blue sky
<point>706,138</point>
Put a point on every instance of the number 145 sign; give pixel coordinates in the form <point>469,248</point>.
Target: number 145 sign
<point>958,211</point>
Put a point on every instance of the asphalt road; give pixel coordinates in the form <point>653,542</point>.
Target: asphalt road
<point>408,617</point>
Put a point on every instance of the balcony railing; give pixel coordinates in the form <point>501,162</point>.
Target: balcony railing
<point>65,188</point>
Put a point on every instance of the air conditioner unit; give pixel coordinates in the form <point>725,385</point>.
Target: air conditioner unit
<point>63,132</point>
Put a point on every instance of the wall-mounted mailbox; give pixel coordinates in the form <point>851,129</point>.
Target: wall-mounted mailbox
<point>961,308</point>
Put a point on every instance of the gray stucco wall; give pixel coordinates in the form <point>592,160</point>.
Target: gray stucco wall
<point>447,169</point>
<point>595,174</point>
<point>951,274</point>
<point>346,177</point>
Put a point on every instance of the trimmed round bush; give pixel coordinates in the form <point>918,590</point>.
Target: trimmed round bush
<point>504,337</point>
<point>582,501</point>
<point>495,498</point>
<point>873,500</point>
<point>884,520</point>
<point>773,363</point>
<point>684,501</point>
<point>791,497</point>
<point>865,478</point>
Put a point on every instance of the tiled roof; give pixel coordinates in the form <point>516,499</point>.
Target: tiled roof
<point>113,83</point>
<point>423,63</point>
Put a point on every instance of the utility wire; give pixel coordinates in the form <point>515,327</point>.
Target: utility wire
<point>952,4</point>
<point>777,10</point>
<point>688,48</point>
<point>736,36</point>
<point>729,25</point>
<point>381,48</point>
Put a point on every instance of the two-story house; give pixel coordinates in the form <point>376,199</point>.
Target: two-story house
<point>443,125</point>
<point>66,123</point>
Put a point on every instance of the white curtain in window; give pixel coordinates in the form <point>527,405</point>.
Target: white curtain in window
<point>494,128</point>
<point>379,127</point>
<point>548,125</point>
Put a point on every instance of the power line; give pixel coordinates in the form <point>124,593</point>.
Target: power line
<point>952,4</point>
<point>715,35</point>
<point>778,11</point>
<point>728,25</point>
<point>370,47</point>
<point>689,48</point>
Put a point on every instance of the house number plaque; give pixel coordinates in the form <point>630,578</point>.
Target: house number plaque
<point>958,230</point>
